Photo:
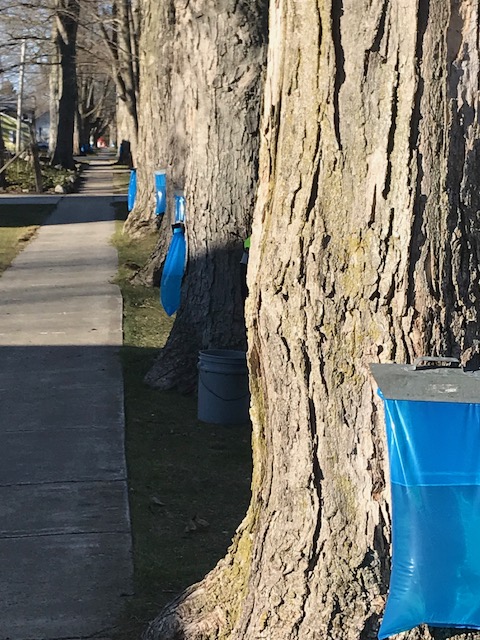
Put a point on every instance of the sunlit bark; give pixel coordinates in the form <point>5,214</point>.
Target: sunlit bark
<point>65,36</point>
<point>364,249</point>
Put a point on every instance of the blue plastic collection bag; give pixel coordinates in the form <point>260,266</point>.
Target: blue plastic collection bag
<point>132,189</point>
<point>160,192</point>
<point>179,207</point>
<point>434,452</point>
<point>174,268</point>
<point>171,284</point>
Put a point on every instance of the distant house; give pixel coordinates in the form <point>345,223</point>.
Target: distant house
<point>9,126</point>
<point>9,129</point>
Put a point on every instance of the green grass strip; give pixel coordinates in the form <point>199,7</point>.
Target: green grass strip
<point>18,224</point>
<point>189,483</point>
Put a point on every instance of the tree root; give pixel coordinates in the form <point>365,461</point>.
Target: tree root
<point>210,609</point>
<point>175,367</point>
<point>188,617</point>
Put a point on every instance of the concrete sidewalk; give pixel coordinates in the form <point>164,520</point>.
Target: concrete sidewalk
<point>65,541</point>
<point>98,174</point>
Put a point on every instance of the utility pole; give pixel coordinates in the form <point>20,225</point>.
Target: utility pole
<point>21,77</point>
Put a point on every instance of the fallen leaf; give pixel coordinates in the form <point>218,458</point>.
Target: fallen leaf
<point>196,524</point>
<point>202,523</point>
<point>191,527</point>
<point>157,502</point>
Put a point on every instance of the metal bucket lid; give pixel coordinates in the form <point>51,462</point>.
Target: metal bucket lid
<point>436,380</point>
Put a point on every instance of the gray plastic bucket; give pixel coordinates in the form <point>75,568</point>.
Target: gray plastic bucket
<point>223,393</point>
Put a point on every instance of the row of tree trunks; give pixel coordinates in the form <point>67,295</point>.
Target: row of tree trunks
<point>211,150</point>
<point>54,89</point>
<point>160,133</point>
<point>124,70</point>
<point>85,109</point>
<point>95,108</point>
<point>126,134</point>
<point>364,249</point>
<point>157,124</point>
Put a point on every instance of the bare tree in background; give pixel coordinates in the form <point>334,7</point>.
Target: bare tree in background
<point>65,39</point>
<point>101,35</point>
<point>161,138</point>
<point>120,27</point>
<point>201,106</point>
<point>95,109</point>
<point>22,21</point>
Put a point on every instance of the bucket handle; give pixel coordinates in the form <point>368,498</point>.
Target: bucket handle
<point>428,362</point>
<point>244,395</point>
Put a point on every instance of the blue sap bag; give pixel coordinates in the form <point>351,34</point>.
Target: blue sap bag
<point>160,192</point>
<point>434,455</point>
<point>132,189</point>
<point>173,270</point>
<point>179,206</point>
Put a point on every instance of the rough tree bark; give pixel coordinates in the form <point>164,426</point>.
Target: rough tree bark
<point>121,42</point>
<point>54,87</point>
<point>220,52</point>
<point>365,248</point>
<point>162,138</point>
<point>126,78</point>
<point>156,148</point>
<point>84,113</point>
<point>66,25</point>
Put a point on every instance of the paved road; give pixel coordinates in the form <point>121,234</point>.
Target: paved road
<point>65,542</point>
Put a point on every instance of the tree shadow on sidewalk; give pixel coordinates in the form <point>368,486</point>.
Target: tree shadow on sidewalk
<point>189,482</point>
<point>190,488</point>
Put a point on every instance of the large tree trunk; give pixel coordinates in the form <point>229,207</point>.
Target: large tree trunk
<point>364,249</point>
<point>86,112</point>
<point>157,127</point>
<point>162,129</point>
<point>125,76</point>
<point>121,42</point>
<point>66,25</point>
<point>125,133</point>
<point>54,87</point>
<point>217,82</point>
<point>151,273</point>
